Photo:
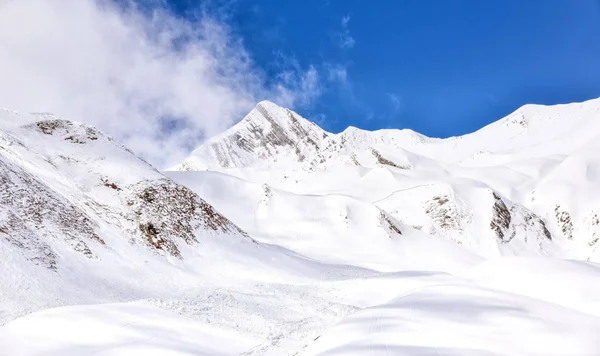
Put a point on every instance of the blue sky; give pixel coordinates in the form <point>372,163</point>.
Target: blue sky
<point>439,67</point>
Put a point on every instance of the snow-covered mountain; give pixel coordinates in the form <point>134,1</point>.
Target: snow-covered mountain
<point>521,185</point>
<point>87,182</point>
<point>278,238</point>
<point>75,206</point>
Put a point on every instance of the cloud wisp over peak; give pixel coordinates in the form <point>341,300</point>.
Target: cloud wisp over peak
<point>158,82</point>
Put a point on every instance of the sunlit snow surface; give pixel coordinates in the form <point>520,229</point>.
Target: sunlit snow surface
<point>116,329</point>
<point>325,272</point>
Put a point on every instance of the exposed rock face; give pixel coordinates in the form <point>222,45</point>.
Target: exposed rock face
<point>508,222</point>
<point>443,213</point>
<point>387,221</point>
<point>565,224</point>
<point>385,161</point>
<point>288,131</point>
<point>73,133</point>
<point>500,218</point>
<point>452,217</point>
<point>28,209</point>
<point>529,222</point>
<point>167,213</point>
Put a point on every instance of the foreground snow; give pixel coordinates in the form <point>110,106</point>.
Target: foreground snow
<point>404,313</point>
<point>116,329</point>
<point>455,319</point>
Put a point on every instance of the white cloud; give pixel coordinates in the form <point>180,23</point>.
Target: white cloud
<point>346,41</point>
<point>157,82</point>
<point>298,88</point>
<point>395,101</point>
<point>337,73</point>
<point>345,20</point>
<point>396,105</point>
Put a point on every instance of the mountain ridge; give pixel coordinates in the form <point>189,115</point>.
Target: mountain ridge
<point>523,160</point>
<point>515,123</point>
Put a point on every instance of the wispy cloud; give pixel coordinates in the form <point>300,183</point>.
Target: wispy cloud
<point>157,82</point>
<point>395,104</point>
<point>337,73</point>
<point>298,88</point>
<point>346,41</point>
<point>345,21</point>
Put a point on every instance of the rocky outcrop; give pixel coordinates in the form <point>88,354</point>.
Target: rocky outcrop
<point>443,213</point>
<point>29,209</point>
<point>501,218</point>
<point>563,219</point>
<point>508,222</point>
<point>529,222</point>
<point>166,214</point>
<point>452,217</point>
<point>384,161</point>
<point>78,134</point>
<point>387,222</point>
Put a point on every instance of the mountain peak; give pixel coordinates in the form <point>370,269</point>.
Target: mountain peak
<point>268,133</point>
<point>270,114</point>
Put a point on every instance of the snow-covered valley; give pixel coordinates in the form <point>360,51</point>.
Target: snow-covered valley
<point>278,238</point>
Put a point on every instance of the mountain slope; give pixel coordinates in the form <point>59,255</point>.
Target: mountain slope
<point>521,185</point>
<point>277,238</point>
<point>122,190</point>
<point>332,228</point>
